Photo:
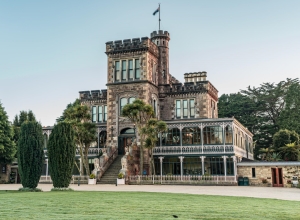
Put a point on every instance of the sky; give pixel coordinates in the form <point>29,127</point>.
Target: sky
<point>51,50</point>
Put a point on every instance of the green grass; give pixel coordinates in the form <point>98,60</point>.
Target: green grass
<point>136,205</point>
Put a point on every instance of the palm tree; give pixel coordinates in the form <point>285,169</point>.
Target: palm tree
<point>152,130</point>
<point>266,152</point>
<point>290,152</point>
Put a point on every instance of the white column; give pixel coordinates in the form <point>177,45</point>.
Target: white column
<point>234,167</point>
<point>181,167</point>
<point>225,168</point>
<point>203,168</point>
<point>47,169</point>
<point>161,161</point>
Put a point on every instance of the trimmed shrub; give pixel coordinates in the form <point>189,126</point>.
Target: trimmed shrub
<point>61,154</point>
<point>30,154</point>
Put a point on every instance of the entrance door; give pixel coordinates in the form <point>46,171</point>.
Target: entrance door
<point>277,180</point>
<point>124,144</point>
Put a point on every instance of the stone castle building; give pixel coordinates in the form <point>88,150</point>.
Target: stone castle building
<point>197,141</point>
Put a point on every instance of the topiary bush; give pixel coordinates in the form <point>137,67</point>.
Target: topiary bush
<point>61,154</point>
<point>30,154</point>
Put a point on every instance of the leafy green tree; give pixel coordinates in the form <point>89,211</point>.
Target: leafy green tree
<point>30,154</point>
<point>85,131</point>
<point>152,130</point>
<point>61,154</point>
<point>284,137</point>
<point>266,153</point>
<point>290,115</point>
<point>7,145</point>
<point>139,113</point>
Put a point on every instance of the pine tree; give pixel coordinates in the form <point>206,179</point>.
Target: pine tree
<point>61,154</point>
<point>30,154</point>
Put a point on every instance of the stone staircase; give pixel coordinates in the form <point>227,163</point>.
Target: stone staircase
<point>111,174</point>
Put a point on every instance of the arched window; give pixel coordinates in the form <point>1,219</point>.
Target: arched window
<point>191,136</point>
<point>102,138</point>
<point>212,135</point>
<point>171,137</point>
<point>228,135</point>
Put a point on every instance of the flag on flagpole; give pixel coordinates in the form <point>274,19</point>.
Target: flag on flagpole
<point>157,10</point>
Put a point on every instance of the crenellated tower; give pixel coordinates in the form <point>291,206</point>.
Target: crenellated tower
<point>161,39</point>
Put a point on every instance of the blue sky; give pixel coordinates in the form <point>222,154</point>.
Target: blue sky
<point>50,50</point>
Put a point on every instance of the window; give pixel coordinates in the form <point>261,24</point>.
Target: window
<point>178,108</point>
<point>94,114</point>
<point>191,136</point>
<point>154,107</point>
<point>117,71</point>
<point>253,173</point>
<point>212,135</point>
<point>102,138</point>
<point>228,135</point>
<point>125,101</point>
<point>192,108</point>
<point>100,114</point>
<point>3,168</point>
<point>185,108</point>
<point>130,69</point>
<point>105,113</point>
<point>137,68</point>
<point>171,137</point>
<point>123,70</point>
<point>131,100</point>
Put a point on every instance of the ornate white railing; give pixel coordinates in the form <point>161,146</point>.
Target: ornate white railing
<point>206,149</point>
<point>185,179</point>
<point>91,152</point>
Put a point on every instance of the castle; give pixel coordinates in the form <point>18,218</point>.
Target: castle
<point>197,141</point>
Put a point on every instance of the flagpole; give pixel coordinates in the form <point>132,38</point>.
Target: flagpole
<point>159,17</point>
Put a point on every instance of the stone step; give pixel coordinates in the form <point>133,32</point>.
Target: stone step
<point>111,174</point>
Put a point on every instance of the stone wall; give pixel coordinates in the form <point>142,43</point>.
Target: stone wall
<point>4,177</point>
<point>264,172</point>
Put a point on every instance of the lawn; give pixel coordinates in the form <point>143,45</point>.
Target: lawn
<point>137,205</point>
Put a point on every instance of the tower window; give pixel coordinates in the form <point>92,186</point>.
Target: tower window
<point>117,71</point>
<point>123,70</point>
<point>137,69</point>
<point>130,69</point>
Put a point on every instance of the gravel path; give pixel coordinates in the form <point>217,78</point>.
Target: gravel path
<point>246,191</point>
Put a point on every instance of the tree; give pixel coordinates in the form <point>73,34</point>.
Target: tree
<point>30,154</point>
<point>19,120</point>
<point>290,152</point>
<point>7,145</point>
<point>85,131</point>
<point>290,115</point>
<point>139,113</point>
<point>284,137</point>
<point>153,129</point>
<point>61,154</point>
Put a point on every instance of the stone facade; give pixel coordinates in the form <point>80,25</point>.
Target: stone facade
<point>260,173</point>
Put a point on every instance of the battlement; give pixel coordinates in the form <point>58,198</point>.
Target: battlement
<point>93,94</point>
<point>160,33</point>
<point>127,44</point>
<point>195,77</point>
<point>187,87</point>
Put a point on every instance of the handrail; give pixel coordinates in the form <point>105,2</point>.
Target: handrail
<point>107,163</point>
